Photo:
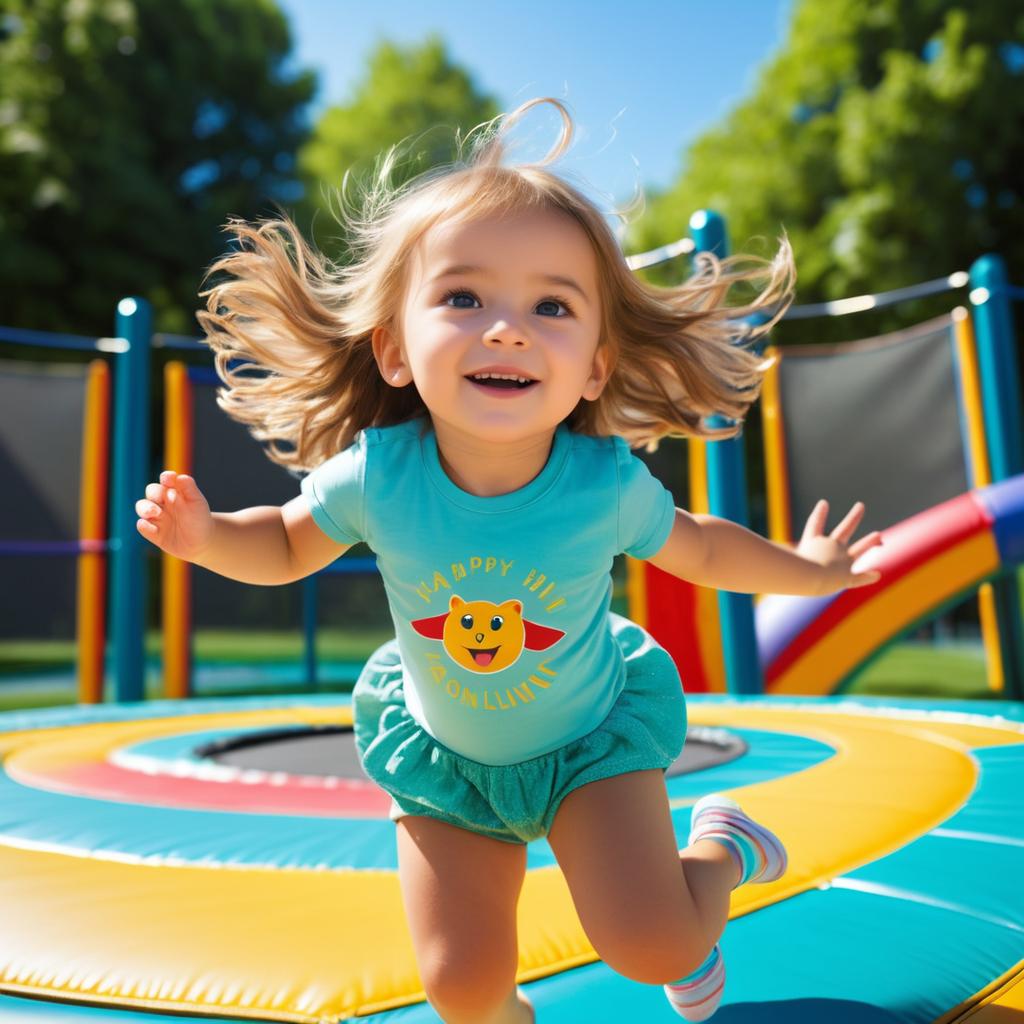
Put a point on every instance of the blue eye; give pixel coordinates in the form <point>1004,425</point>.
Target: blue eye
<point>457,293</point>
<point>466,621</point>
<point>557,302</point>
<point>497,622</point>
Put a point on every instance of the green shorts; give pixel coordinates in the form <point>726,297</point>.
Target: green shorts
<point>646,728</point>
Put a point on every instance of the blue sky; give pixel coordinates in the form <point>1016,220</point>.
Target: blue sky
<point>642,80</point>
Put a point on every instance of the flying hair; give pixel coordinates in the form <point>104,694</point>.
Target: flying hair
<point>291,329</point>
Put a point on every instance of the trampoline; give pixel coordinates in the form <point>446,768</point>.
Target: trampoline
<point>229,859</point>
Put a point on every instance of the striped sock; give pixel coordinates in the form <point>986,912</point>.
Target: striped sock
<point>759,854</point>
<point>697,996</point>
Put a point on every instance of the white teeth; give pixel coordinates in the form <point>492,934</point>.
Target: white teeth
<point>501,376</point>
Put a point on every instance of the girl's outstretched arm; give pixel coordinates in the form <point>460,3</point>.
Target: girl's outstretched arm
<point>713,552</point>
<point>265,544</point>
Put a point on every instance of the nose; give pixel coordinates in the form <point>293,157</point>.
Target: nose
<point>505,332</point>
<point>479,638</point>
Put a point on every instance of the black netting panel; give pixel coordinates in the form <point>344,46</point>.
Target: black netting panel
<point>40,450</point>
<point>41,408</point>
<point>876,421</point>
<point>233,473</point>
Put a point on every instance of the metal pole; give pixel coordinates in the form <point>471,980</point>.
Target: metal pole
<point>727,499</point>
<point>309,617</point>
<point>1001,401</point>
<point>131,457</point>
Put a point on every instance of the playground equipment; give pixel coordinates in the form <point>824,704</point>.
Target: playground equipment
<point>200,440</point>
<point>144,874</point>
<point>720,641</point>
<point>944,415</point>
<point>54,455</point>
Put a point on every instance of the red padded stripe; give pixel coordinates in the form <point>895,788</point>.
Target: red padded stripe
<point>906,547</point>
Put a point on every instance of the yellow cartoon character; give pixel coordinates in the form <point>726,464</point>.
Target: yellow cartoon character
<point>486,637</point>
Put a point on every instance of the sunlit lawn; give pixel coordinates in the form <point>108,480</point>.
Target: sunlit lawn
<point>954,670</point>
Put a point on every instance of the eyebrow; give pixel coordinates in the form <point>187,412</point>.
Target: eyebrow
<point>467,268</point>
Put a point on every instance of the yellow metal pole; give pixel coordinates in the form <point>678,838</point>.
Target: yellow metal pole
<point>91,611</point>
<point>970,384</point>
<point>176,589</point>
<point>776,470</point>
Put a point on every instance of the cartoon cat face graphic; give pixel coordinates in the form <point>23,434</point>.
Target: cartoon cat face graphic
<point>486,637</point>
<point>483,636</point>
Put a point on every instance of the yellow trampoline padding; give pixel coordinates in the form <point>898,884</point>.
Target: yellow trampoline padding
<point>51,750</point>
<point>322,945</point>
<point>1002,1002</point>
<point>881,617</point>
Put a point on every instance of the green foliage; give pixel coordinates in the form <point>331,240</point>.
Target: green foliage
<point>129,130</point>
<point>414,96</point>
<point>884,139</point>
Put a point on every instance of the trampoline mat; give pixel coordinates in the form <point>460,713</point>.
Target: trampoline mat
<point>331,751</point>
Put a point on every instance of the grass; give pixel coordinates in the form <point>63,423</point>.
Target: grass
<point>219,646</point>
<point>41,673</point>
<point>954,670</point>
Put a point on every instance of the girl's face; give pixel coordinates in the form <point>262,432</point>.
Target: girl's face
<point>510,297</point>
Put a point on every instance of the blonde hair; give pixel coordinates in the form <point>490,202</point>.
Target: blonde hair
<point>304,323</point>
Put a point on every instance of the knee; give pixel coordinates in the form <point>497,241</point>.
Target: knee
<point>466,990</point>
<point>653,958</point>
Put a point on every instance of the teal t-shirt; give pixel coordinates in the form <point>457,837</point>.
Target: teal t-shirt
<point>500,603</point>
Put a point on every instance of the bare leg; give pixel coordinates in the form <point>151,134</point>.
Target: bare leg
<point>460,891</point>
<point>710,874</point>
<point>646,918</point>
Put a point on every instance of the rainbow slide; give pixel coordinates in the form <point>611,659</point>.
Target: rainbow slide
<point>929,562</point>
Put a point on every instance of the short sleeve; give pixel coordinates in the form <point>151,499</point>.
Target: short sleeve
<point>646,507</point>
<point>335,492</point>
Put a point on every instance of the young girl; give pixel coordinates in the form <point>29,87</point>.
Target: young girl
<point>466,393</point>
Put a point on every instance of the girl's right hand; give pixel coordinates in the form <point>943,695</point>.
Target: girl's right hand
<point>175,516</point>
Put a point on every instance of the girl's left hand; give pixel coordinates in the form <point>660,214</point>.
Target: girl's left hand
<point>832,554</point>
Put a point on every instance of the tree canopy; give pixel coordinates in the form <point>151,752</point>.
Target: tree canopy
<point>129,131</point>
<point>884,138</point>
<point>412,95</point>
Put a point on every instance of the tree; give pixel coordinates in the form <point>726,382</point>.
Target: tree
<point>885,139</point>
<point>415,96</point>
<point>129,130</point>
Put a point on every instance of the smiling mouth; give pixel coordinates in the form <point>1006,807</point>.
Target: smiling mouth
<point>482,656</point>
<point>501,384</point>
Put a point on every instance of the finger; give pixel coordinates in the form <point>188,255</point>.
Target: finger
<point>156,492</point>
<point>167,477</point>
<point>864,544</point>
<point>815,525</point>
<point>865,579</point>
<point>147,529</point>
<point>844,531</point>
<point>147,509</point>
<point>188,487</point>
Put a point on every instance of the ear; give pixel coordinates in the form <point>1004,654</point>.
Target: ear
<point>599,374</point>
<point>390,360</point>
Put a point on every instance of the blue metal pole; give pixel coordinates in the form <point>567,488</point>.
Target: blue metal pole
<point>309,617</point>
<point>131,455</point>
<point>727,498</point>
<point>997,362</point>
<point>1001,402</point>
